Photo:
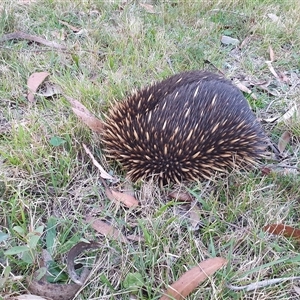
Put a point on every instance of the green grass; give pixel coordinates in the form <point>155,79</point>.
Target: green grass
<point>56,186</point>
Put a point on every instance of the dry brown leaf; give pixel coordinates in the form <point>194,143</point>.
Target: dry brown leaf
<point>85,115</point>
<point>33,38</point>
<point>285,230</point>
<point>148,7</point>
<point>103,173</point>
<point>243,88</point>
<point>106,229</point>
<point>126,199</point>
<point>73,28</point>
<point>283,78</point>
<point>189,281</point>
<point>283,141</point>
<point>292,112</point>
<point>33,82</point>
<point>272,55</point>
<point>272,70</point>
<point>195,216</point>
<point>182,196</point>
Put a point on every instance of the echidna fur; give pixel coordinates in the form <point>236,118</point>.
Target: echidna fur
<point>183,128</point>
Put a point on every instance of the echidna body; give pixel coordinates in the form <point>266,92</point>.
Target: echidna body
<point>183,128</point>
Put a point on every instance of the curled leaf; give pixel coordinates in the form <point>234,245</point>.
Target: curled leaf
<point>33,82</point>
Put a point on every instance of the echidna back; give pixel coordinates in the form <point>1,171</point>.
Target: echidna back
<point>183,128</point>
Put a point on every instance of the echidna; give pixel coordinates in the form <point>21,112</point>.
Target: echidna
<point>183,128</point>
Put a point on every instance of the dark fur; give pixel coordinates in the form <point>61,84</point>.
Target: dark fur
<point>209,136</point>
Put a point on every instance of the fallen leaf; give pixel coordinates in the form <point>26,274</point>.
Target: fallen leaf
<point>266,170</point>
<point>272,55</point>
<point>189,281</point>
<point>73,253</point>
<point>85,115</point>
<point>227,40</point>
<point>182,196</point>
<point>245,42</point>
<point>243,88</point>
<point>73,28</point>
<point>292,112</point>
<point>285,230</point>
<point>283,77</point>
<point>103,173</point>
<point>25,36</point>
<point>33,82</point>
<point>272,70</point>
<point>106,229</point>
<point>270,120</point>
<point>195,217</point>
<point>148,7</point>
<point>126,199</point>
<point>283,141</point>
<point>266,89</point>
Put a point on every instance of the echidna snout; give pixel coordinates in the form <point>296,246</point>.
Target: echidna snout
<point>183,128</point>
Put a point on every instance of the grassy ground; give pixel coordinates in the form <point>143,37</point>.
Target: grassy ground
<point>124,46</point>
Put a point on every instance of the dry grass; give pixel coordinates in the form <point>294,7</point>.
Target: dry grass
<point>124,47</point>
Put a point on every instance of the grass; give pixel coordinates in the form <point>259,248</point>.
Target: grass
<point>122,47</point>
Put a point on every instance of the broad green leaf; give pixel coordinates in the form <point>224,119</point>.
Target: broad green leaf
<point>3,278</point>
<point>19,230</point>
<point>56,141</point>
<point>3,236</point>
<point>133,281</point>
<point>33,237</point>
<point>16,250</point>
<point>51,234</point>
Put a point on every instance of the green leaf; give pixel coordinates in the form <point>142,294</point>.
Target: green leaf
<point>5,273</point>
<point>56,141</point>
<point>28,257</point>
<point>33,237</point>
<point>16,250</point>
<point>19,230</point>
<point>51,234</point>
<point>3,236</point>
<point>133,281</point>
<point>40,273</point>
